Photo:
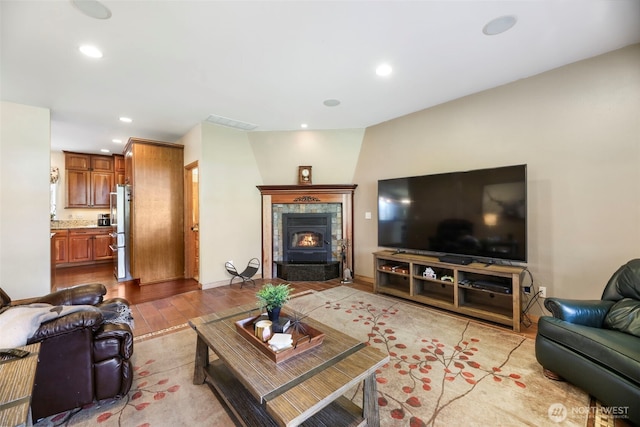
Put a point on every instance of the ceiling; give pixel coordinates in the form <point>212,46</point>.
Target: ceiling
<point>168,65</point>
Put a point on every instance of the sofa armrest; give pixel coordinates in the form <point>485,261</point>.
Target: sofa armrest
<point>77,295</point>
<point>113,333</point>
<point>85,319</point>
<point>581,312</point>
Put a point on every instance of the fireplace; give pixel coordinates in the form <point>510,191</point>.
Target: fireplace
<point>278,200</point>
<point>306,237</point>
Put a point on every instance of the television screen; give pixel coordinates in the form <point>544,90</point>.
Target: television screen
<point>481,214</point>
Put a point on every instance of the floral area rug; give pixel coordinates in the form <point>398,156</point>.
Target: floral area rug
<point>162,393</point>
<point>445,370</point>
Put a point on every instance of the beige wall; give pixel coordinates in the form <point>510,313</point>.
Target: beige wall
<point>576,127</point>
<point>578,130</point>
<point>332,154</point>
<point>24,200</point>
<point>232,163</point>
<point>229,203</point>
<point>192,142</point>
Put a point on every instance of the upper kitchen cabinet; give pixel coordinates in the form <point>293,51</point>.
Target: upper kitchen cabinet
<point>155,171</point>
<point>119,169</point>
<point>89,180</point>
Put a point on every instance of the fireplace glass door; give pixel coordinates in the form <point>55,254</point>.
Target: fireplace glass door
<point>307,238</point>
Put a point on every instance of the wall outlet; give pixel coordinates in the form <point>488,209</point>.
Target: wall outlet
<point>543,291</point>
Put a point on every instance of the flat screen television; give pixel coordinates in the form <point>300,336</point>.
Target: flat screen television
<point>475,215</point>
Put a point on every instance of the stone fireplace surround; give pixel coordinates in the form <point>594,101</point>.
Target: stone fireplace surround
<point>279,199</point>
<point>330,211</point>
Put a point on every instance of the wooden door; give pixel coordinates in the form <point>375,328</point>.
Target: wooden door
<point>78,189</point>
<point>61,247</point>
<point>192,221</point>
<point>157,227</point>
<point>118,163</point>
<point>101,163</point>
<point>77,161</point>
<point>118,169</point>
<point>80,246</point>
<point>101,186</point>
<point>101,248</point>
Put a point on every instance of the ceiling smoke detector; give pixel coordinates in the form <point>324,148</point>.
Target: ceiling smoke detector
<point>231,123</point>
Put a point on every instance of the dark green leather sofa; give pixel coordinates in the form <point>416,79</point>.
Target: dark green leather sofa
<point>595,344</point>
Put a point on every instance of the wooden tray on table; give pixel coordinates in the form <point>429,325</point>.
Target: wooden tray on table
<point>305,340</point>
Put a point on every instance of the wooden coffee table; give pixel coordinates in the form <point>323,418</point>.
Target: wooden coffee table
<point>305,389</point>
<point>16,386</point>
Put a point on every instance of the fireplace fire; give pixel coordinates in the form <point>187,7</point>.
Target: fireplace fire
<point>307,239</point>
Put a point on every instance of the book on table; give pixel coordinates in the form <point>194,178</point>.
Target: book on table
<point>281,326</point>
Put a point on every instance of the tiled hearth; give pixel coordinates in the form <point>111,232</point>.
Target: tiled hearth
<point>281,199</point>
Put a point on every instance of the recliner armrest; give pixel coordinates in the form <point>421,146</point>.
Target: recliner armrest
<point>91,319</point>
<point>77,295</point>
<point>581,312</point>
<point>115,331</point>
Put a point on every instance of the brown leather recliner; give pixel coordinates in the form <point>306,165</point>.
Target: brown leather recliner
<point>83,358</point>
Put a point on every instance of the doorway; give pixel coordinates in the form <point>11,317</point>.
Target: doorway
<point>192,221</point>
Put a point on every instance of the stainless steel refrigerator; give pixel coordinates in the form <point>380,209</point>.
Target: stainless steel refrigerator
<point>121,224</point>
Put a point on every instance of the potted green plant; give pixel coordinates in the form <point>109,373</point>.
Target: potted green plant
<point>273,297</point>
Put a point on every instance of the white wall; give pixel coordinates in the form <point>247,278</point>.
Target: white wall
<point>577,128</point>
<point>25,247</point>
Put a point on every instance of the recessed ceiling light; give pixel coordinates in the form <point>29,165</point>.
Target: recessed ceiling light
<point>331,102</point>
<point>117,141</point>
<point>499,25</point>
<point>104,150</point>
<point>92,8</point>
<point>384,70</point>
<point>304,126</point>
<point>125,119</point>
<point>90,51</point>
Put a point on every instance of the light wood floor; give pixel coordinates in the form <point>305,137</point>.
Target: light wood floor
<point>164,305</point>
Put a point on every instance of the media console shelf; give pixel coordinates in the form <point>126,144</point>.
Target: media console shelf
<point>486,292</point>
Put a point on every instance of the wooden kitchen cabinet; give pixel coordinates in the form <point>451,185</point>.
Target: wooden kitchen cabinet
<point>89,180</point>
<point>155,171</point>
<point>77,161</point>
<point>80,246</point>
<point>60,246</point>
<point>87,245</point>
<point>119,169</point>
<point>101,187</point>
<point>102,164</point>
<point>101,248</point>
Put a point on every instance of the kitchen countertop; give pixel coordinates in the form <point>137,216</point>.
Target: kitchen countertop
<point>70,224</point>
<point>81,226</point>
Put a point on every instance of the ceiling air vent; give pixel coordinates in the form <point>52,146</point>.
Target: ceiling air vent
<point>231,123</point>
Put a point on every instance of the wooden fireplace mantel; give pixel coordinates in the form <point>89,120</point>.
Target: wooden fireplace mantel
<point>282,194</point>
